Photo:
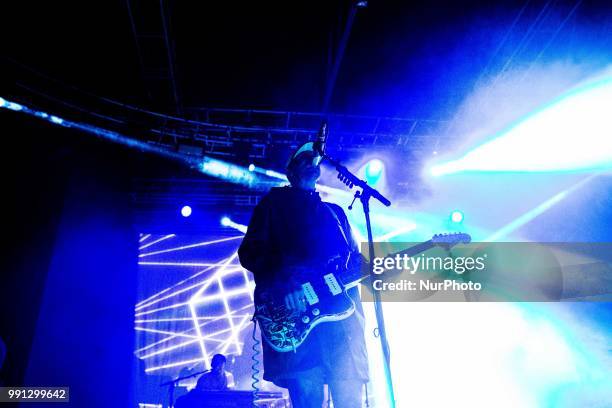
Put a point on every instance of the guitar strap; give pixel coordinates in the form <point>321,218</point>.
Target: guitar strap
<point>335,216</point>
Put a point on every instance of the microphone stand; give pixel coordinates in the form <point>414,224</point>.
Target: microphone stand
<point>172,385</point>
<point>364,196</point>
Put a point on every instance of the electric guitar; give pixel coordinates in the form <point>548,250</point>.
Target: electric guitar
<point>326,300</point>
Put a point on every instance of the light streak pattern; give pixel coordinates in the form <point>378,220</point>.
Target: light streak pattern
<point>181,324</point>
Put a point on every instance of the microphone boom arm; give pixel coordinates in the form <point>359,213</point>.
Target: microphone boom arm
<point>352,180</point>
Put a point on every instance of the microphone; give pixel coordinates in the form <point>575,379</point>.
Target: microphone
<point>319,144</point>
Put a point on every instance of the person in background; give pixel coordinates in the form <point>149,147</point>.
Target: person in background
<point>217,379</point>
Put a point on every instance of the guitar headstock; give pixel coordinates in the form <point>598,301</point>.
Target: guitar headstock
<point>453,238</point>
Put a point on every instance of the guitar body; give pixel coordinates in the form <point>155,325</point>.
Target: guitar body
<point>285,330</point>
<point>326,300</point>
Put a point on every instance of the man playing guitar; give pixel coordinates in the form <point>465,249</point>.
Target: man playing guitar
<point>291,238</point>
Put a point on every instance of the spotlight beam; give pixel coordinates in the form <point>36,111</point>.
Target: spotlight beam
<point>221,296</point>
<point>199,333</point>
<point>570,134</point>
<point>177,364</point>
<point>194,301</point>
<point>167,349</point>
<point>210,266</point>
<point>185,264</point>
<point>181,248</point>
<point>156,241</point>
<point>174,306</point>
<point>149,330</point>
<point>158,342</point>
<point>227,222</point>
<point>207,337</point>
<point>395,233</point>
<point>537,211</point>
<point>218,272</point>
<point>184,319</point>
<point>96,131</point>
<point>177,334</point>
<point>175,293</point>
<point>227,308</point>
<point>210,166</point>
<point>235,332</point>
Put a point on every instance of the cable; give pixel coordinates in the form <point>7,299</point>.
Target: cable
<point>254,369</point>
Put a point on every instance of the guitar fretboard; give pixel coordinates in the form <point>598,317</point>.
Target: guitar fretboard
<point>351,277</point>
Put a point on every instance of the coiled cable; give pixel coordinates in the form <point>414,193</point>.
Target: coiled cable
<point>254,367</point>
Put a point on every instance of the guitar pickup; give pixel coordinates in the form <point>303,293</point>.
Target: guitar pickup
<point>310,294</point>
<point>332,284</point>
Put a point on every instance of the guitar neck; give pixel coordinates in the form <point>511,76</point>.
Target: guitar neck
<point>353,277</point>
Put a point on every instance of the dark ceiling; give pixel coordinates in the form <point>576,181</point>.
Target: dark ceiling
<point>412,61</point>
<point>402,59</point>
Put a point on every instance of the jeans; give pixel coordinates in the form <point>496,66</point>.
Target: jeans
<point>308,393</point>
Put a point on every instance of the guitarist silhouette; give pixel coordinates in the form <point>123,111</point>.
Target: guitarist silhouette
<point>294,237</point>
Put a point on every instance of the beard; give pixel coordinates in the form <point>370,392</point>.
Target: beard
<point>312,174</point>
<point>308,177</point>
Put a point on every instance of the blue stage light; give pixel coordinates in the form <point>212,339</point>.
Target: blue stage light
<point>251,167</point>
<point>227,171</point>
<point>227,222</point>
<point>186,211</point>
<point>373,171</point>
<point>10,105</point>
<point>457,217</point>
<point>572,133</point>
<point>275,174</point>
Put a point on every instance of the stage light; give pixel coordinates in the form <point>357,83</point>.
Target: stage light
<point>572,133</point>
<point>373,171</point>
<point>186,211</point>
<point>227,171</point>
<point>457,217</point>
<point>10,105</point>
<point>251,167</point>
<point>275,174</point>
<point>227,222</point>
<point>532,353</point>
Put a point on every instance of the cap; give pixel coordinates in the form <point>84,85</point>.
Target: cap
<point>307,147</point>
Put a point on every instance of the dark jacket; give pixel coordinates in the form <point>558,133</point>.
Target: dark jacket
<point>291,228</point>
